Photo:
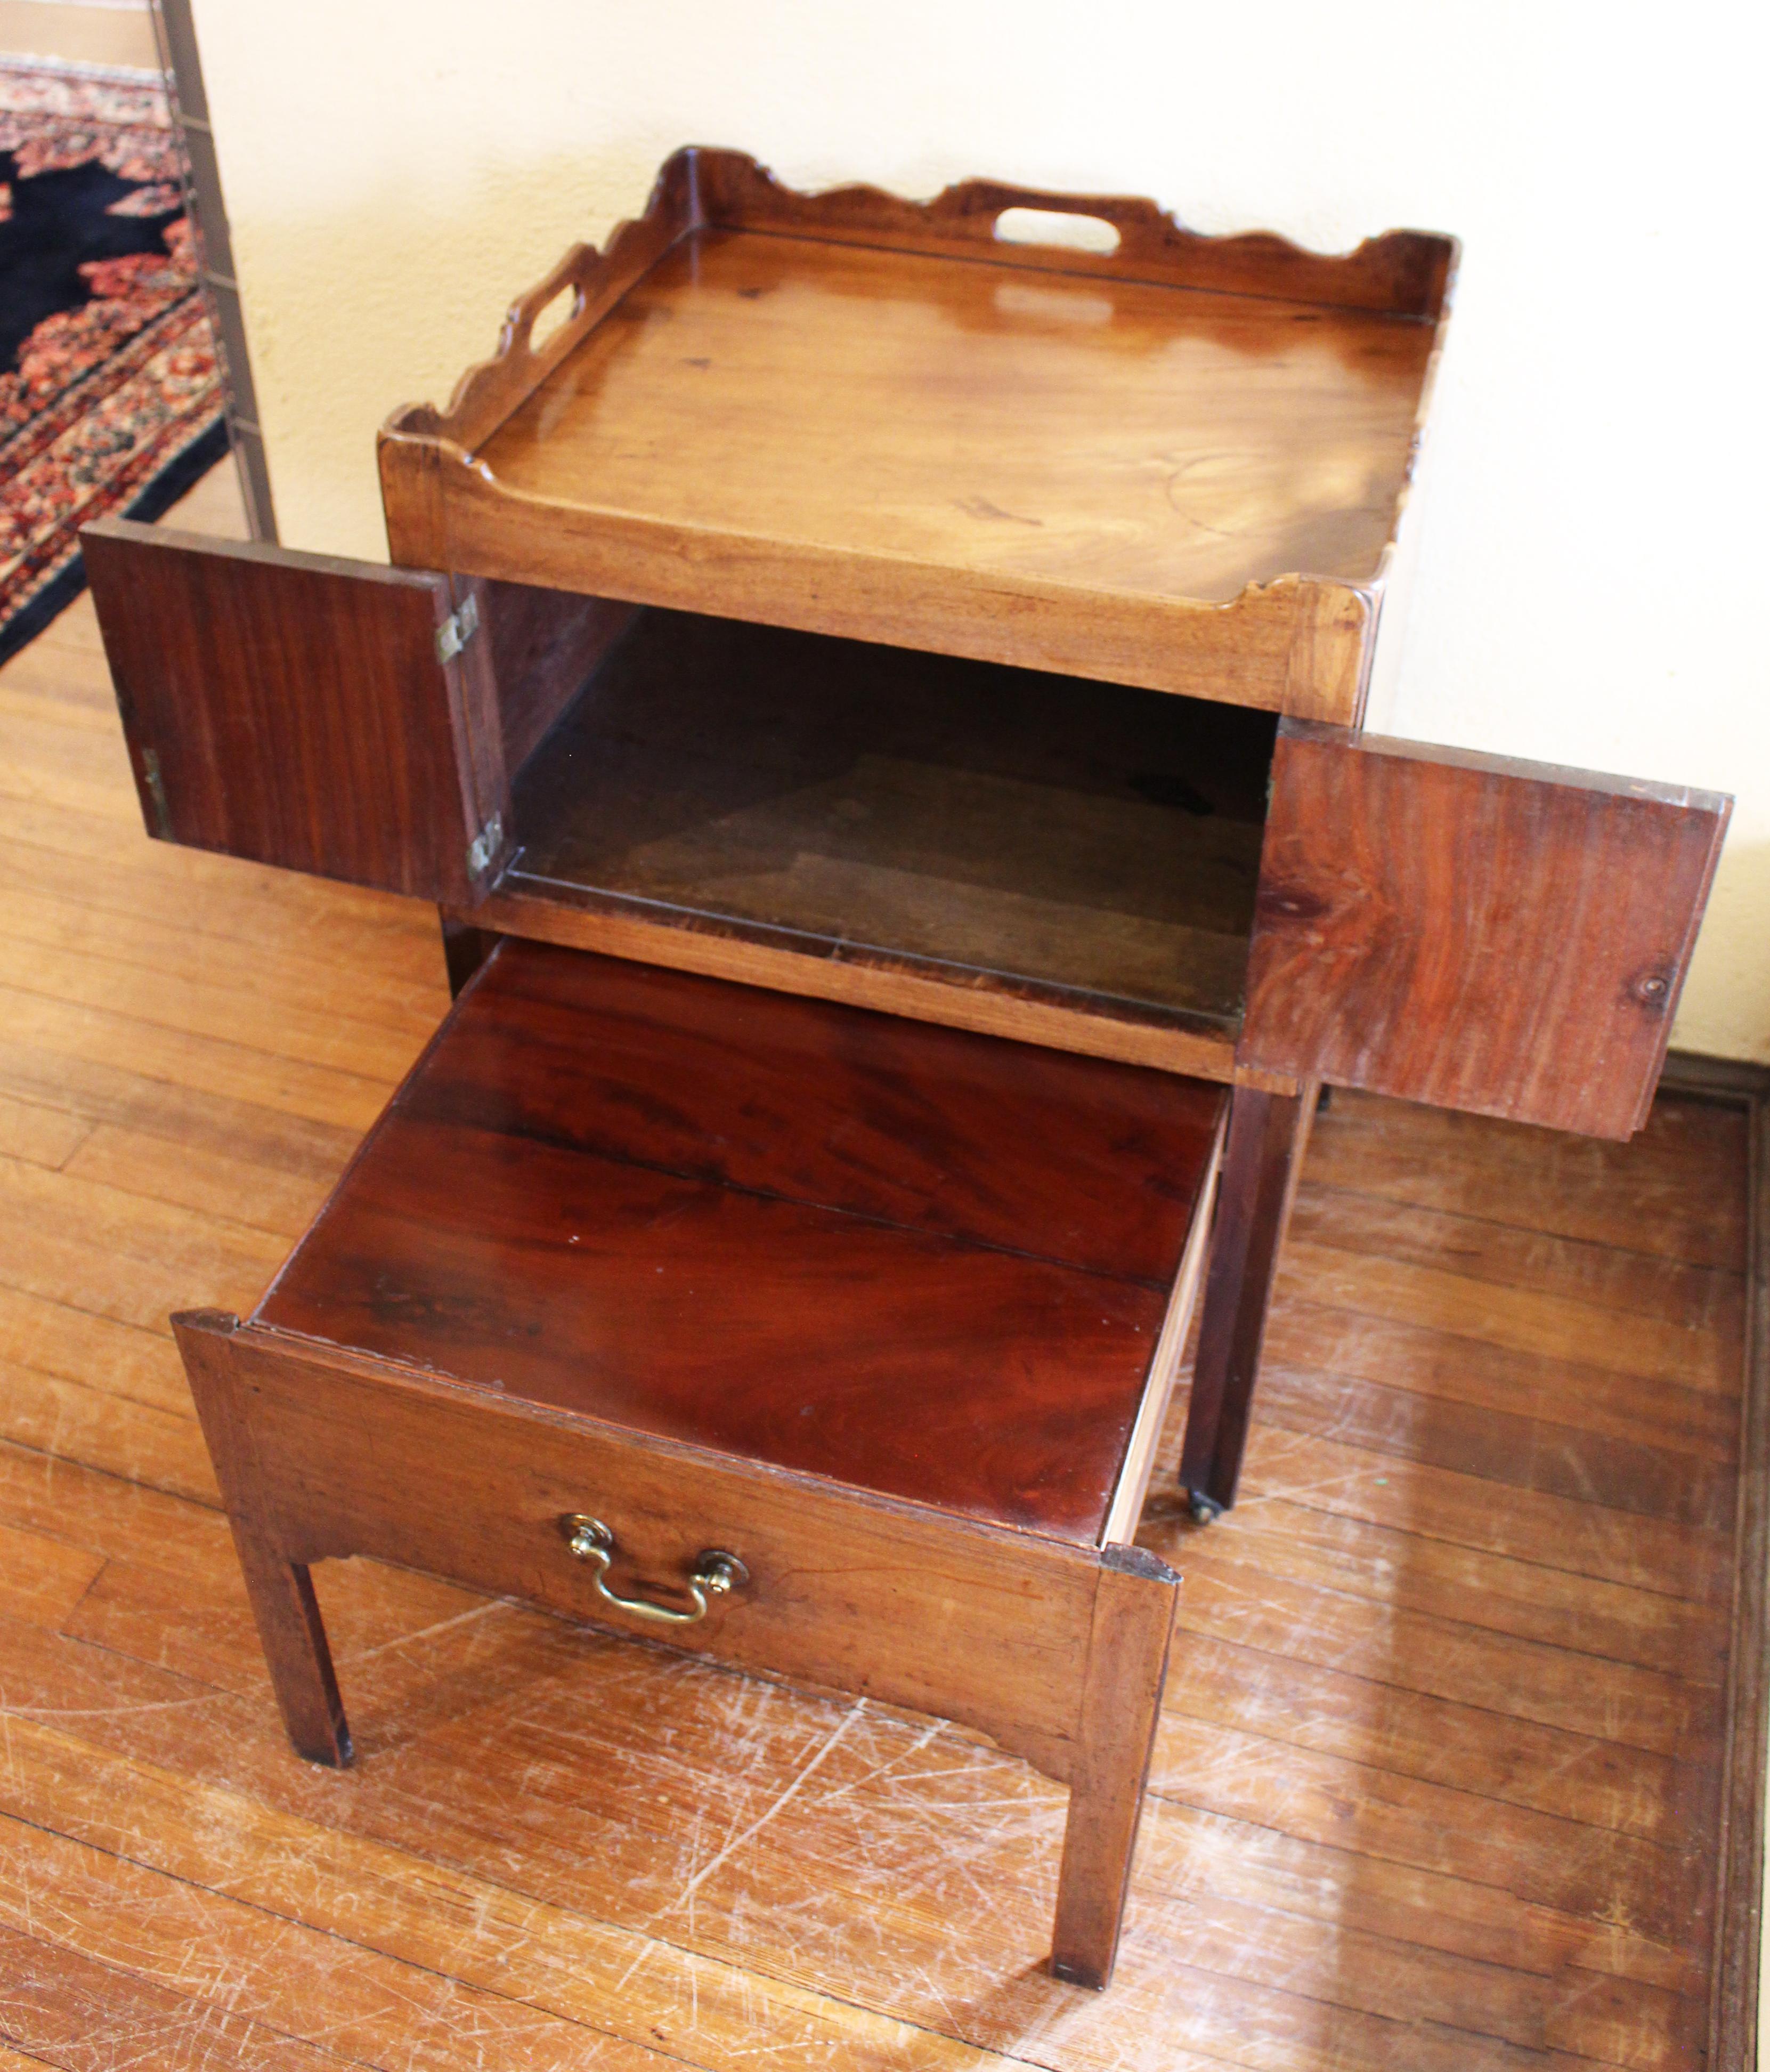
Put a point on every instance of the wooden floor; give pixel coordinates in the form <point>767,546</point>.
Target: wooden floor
<point>1436,1787</point>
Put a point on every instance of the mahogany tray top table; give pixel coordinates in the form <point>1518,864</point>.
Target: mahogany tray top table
<point>877,701</point>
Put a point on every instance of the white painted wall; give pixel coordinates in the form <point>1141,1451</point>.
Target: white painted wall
<point>1589,583</point>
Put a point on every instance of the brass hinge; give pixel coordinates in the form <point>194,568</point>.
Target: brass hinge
<point>485,845</point>
<point>458,629</point>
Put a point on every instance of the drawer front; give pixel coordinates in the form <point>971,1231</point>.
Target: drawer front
<point>938,1614</point>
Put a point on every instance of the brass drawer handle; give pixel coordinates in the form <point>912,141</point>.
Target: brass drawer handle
<point>716,1575</point>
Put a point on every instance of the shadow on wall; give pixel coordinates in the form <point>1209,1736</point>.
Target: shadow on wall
<point>1725,1007</point>
<point>353,315</point>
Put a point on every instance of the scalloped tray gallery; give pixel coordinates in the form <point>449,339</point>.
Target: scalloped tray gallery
<point>1181,464</point>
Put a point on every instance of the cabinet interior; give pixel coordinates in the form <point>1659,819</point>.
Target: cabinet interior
<point>994,826</point>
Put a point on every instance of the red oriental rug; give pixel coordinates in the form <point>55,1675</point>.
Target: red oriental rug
<point>110,395</point>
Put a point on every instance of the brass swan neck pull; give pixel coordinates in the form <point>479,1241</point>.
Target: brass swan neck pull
<point>716,1573</point>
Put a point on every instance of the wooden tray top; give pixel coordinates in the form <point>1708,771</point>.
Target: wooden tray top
<point>1109,434</point>
<point>857,415</point>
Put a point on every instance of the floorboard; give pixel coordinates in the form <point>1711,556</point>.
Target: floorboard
<point>1439,1781</point>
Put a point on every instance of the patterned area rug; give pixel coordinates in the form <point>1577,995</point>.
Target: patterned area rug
<point>110,396</point>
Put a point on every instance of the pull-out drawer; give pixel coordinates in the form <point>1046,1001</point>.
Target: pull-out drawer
<point>825,1587</point>
<point>910,1261</point>
<point>820,1342</point>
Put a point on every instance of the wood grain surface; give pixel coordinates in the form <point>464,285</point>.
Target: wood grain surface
<point>1092,432</point>
<point>820,968</point>
<point>909,1260</point>
<point>884,1602</point>
<point>1479,933</point>
<point>288,707</point>
<point>1434,1788</point>
<point>1004,828</point>
<point>1406,273</point>
<point>1181,465</point>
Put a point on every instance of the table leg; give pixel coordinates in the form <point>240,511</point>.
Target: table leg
<point>1121,1707</point>
<point>282,1591</point>
<point>464,948</point>
<point>1262,1162</point>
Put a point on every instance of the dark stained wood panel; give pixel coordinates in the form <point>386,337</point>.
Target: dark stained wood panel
<point>1477,932</point>
<point>1004,828</point>
<point>935,1130</point>
<point>544,644</point>
<point>973,1379</point>
<point>773,1227</point>
<point>288,707</point>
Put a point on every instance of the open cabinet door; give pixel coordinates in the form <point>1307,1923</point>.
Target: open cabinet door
<point>1478,933</point>
<point>297,709</point>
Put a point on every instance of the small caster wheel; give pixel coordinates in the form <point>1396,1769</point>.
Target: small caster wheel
<point>1206,1509</point>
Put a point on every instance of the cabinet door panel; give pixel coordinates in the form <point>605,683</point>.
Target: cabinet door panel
<point>289,708</point>
<point>1506,937</point>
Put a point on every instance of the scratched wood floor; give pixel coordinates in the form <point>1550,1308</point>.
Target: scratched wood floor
<point>1436,1788</point>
